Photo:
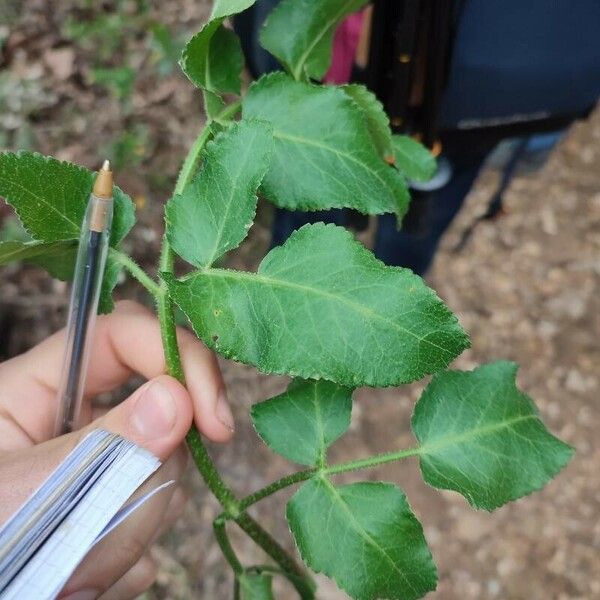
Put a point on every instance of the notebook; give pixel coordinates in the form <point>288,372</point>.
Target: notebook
<point>80,502</point>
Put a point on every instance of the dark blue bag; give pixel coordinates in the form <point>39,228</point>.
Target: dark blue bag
<point>522,61</point>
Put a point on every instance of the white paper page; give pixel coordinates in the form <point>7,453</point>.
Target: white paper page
<point>130,508</point>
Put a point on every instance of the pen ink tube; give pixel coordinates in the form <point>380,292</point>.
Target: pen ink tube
<point>89,270</point>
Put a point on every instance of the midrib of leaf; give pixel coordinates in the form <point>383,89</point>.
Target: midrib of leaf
<point>309,142</point>
<point>316,40</point>
<point>221,229</point>
<point>207,77</point>
<point>257,277</point>
<point>46,203</point>
<point>320,432</point>
<point>423,449</point>
<point>362,532</point>
<point>207,72</point>
<point>470,435</point>
<point>34,244</point>
<point>18,250</point>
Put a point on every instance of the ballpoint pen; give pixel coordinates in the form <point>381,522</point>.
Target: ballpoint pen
<point>87,281</point>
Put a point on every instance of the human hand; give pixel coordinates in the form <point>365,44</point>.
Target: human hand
<point>156,417</point>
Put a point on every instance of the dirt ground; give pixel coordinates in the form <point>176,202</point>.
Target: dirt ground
<point>526,287</point>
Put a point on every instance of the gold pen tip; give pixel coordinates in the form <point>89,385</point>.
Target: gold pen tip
<point>104,182</point>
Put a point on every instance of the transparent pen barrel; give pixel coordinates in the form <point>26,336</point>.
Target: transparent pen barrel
<point>85,293</point>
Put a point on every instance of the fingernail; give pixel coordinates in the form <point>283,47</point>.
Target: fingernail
<point>155,413</point>
<point>83,595</point>
<point>223,412</point>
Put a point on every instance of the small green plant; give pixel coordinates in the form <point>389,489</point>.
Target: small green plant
<point>129,148</point>
<point>112,41</point>
<point>320,308</point>
<point>109,35</point>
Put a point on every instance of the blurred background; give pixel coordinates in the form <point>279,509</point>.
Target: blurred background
<point>83,80</point>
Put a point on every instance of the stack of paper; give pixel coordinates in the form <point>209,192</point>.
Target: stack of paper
<point>42,544</point>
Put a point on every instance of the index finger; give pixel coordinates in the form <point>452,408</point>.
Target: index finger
<point>127,341</point>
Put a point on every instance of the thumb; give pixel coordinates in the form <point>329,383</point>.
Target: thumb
<point>156,416</point>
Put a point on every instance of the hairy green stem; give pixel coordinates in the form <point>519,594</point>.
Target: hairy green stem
<point>295,574</point>
<point>191,160</point>
<point>230,111</point>
<point>276,486</point>
<point>219,525</point>
<point>135,271</point>
<point>166,318</point>
<point>210,474</point>
<point>190,163</point>
<point>299,476</point>
<point>203,462</point>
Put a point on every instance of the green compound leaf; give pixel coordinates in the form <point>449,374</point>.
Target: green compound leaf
<point>215,211</point>
<point>50,196</point>
<point>483,438</point>
<point>413,160</point>
<point>213,58</point>
<point>256,586</point>
<point>305,420</point>
<point>365,537</point>
<point>323,307</point>
<point>299,33</point>
<point>376,117</point>
<point>323,154</point>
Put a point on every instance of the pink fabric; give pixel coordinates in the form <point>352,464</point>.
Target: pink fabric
<point>345,43</point>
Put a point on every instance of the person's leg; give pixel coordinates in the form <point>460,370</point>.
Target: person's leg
<point>247,25</point>
<point>415,246</point>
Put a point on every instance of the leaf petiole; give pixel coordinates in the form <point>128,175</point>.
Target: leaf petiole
<point>302,582</point>
<point>191,160</point>
<point>276,486</point>
<point>229,111</point>
<point>136,271</point>
<point>300,476</point>
<point>219,525</point>
<point>372,461</point>
<point>190,163</point>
